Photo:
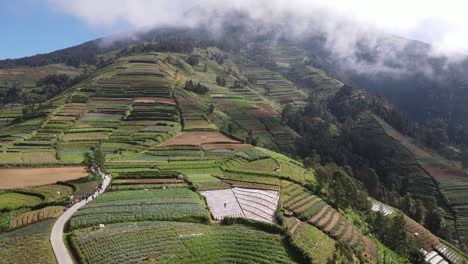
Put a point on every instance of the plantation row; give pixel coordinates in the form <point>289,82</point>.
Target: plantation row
<point>206,182</point>
<point>180,243</point>
<point>128,206</point>
<point>315,211</point>
<point>28,243</point>
<point>316,245</point>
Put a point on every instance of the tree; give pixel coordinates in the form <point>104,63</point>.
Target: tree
<point>416,257</point>
<point>88,161</point>
<point>211,108</point>
<point>230,128</point>
<point>372,182</point>
<point>193,60</point>
<point>99,158</point>
<point>196,88</point>
<point>221,81</point>
<point>407,204</point>
<point>287,113</point>
<point>323,177</point>
<point>434,220</point>
<point>95,160</point>
<point>396,235</point>
<point>419,211</point>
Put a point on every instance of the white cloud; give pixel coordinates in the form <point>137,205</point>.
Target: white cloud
<point>441,23</point>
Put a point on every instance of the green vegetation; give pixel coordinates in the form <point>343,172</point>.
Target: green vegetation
<point>206,182</point>
<point>265,98</point>
<point>317,246</point>
<point>181,243</point>
<point>11,201</point>
<point>28,243</point>
<point>140,205</point>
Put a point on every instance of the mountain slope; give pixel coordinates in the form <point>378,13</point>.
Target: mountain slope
<point>183,103</point>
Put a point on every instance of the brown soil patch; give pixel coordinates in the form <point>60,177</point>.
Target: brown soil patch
<point>199,138</point>
<point>226,106</point>
<point>184,100</point>
<point>319,214</point>
<point>263,110</point>
<point>258,131</point>
<point>340,229</point>
<point>9,73</point>
<point>370,251</point>
<point>446,173</point>
<point>325,219</point>
<point>19,178</point>
<point>427,239</point>
<point>355,239</point>
<point>333,222</point>
<point>348,234</point>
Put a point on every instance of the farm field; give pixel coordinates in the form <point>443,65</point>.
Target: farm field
<point>317,245</point>
<point>27,177</point>
<point>127,206</point>
<point>28,243</point>
<point>180,243</point>
<point>201,139</point>
<point>185,162</point>
<point>313,210</point>
<point>253,204</point>
<point>206,182</point>
<point>11,201</point>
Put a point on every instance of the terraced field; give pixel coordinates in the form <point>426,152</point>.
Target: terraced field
<point>317,245</point>
<point>313,210</point>
<point>206,182</point>
<point>30,243</point>
<point>180,243</point>
<point>160,139</point>
<point>139,205</point>
<point>451,182</point>
<point>10,201</point>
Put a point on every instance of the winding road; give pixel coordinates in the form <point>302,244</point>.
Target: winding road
<point>56,237</point>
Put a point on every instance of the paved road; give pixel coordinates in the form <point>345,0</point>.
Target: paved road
<point>56,237</point>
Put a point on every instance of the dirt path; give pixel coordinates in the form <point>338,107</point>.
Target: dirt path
<point>56,237</point>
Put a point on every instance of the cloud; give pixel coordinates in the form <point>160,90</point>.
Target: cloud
<point>134,13</point>
<point>444,24</point>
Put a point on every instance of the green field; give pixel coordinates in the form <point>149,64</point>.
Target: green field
<point>11,201</point>
<point>138,205</point>
<point>30,243</point>
<point>180,243</point>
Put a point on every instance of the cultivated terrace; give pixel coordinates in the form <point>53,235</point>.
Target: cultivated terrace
<point>219,157</point>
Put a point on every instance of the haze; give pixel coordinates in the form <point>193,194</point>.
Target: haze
<point>440,23</point>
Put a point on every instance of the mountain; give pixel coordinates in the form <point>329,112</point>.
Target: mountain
<point>230,135</point>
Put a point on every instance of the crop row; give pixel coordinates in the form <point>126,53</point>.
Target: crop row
<point>181,243</point>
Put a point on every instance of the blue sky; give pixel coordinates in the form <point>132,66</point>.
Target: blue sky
<point>29,27</point>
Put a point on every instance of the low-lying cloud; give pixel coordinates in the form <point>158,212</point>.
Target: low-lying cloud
<point>444,24</point>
